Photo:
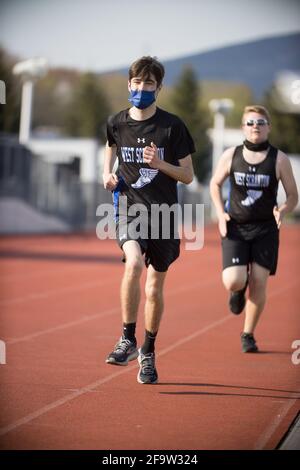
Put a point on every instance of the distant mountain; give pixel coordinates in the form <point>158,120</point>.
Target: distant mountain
<point>254,63</point>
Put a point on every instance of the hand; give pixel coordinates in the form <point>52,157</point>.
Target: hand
<point>223,219</point>
<point>278,216</point>
<point>151,156</point>
<point>110,181</point>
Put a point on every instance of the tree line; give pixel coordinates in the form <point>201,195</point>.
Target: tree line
<point>78,105</point>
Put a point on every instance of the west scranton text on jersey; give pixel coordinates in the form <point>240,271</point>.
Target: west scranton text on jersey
<point>251,180</point>
<point>135,154</point>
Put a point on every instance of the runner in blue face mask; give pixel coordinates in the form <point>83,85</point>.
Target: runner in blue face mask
<point>153,149</point>
<point>141,99</point>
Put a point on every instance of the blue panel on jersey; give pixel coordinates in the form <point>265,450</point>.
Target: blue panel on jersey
<point>227,203</point>
<point>116,194</point>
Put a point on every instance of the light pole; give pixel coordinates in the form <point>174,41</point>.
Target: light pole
<point>29,70</point>
<point>220,107</point>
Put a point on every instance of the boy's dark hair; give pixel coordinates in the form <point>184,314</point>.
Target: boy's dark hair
<point>145,66</point>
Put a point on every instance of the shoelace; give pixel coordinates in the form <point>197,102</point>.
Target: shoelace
<point>147,363</point>
<point>123,345</point>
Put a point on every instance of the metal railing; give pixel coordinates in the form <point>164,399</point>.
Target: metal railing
<point>48,187</point>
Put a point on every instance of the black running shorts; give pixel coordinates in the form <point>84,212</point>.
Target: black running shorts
<point>251,243</point>
<point>160,253</point>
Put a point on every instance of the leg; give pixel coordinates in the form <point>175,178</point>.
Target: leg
<point>153,313</point>
<point>236,257</point>
<point>130,287</point>
<point>254,307</point>
<point>234,278</point>
<point>154,299</point>
<point>125,350</point>
<point>257,296</point>
<point>264,253</point>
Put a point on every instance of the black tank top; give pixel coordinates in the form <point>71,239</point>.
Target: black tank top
<point>253,188</point>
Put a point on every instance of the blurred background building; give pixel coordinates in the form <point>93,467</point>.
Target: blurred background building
<point>51,155</point>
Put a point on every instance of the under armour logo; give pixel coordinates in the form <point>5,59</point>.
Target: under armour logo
<point>252,168</point>
<point>235,260</point>
<point>141,140</point>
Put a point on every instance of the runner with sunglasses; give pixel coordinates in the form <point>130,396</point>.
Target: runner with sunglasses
<point>250,220</point>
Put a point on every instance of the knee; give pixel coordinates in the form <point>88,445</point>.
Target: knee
<point>153,293</point>
<point>234,283</point>
<point>257,289</point>
<point>134,267</point>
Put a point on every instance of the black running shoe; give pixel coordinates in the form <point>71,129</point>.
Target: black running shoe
<point>147,373</point>
<point>237,300</point>
<point>248,343</point>
<point>125,351</point>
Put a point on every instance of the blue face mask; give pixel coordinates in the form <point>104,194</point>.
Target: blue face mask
<point>141,99</point>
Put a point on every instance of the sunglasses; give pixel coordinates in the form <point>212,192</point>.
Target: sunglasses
<point>258,122</point>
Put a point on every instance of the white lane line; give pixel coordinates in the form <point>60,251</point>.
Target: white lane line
<point>282,289</point>
<point>91,387</point>
<point>45,272</point>
<point>64,326</point>
<point>270,430</point>
<point>51,292</point>
<point>36,296</point>
<point>55,292</point>
<point>267,434</point>
<point>87,318</point>
<point>30,417</point>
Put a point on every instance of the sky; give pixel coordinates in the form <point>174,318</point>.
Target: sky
<point>102,35</point>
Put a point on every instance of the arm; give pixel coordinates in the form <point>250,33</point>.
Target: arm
<point>110,180</point>
<point>221,173</point>
<point>183,173</point>
<point>285,174</point>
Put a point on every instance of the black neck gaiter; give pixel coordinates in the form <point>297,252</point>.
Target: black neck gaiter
<point>256,147</point>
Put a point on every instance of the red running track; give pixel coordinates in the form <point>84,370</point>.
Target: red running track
<point>60,317</point>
